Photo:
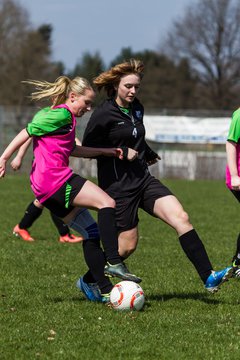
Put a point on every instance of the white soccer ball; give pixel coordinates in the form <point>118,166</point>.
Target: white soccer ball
<point>127,295</point>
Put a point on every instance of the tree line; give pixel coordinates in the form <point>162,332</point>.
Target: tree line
<point>197,66</point>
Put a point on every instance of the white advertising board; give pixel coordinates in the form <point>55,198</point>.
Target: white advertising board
<point>184,129</point>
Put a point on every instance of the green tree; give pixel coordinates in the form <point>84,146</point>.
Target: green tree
<point>25,53</point>
<point>125,54</point>
<point>208,36</point>
<point>14,26</point>
<point>89,67</point>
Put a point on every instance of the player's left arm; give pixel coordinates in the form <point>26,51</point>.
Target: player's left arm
<point>89,152</point>
<point>151,156</point>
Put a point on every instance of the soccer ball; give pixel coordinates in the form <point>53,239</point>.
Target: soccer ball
<point>127,295</point>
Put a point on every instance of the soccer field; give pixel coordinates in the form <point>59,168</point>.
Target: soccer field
<point>44,316</point>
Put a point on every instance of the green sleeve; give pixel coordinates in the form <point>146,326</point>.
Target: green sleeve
<point>48,120</point>
<point>234,130</point>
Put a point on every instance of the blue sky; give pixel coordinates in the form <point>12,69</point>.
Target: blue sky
<point>105,26</point>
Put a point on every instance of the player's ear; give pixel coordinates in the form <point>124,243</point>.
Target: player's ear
<point>72,96</point>
<point>115,86</point>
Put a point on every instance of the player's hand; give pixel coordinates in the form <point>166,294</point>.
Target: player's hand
<point>16,163</point>
<point>115,152</point>
<point>132,154</point>
<point>2,167</point>
<point>118,152</point>
<point>153,161</point>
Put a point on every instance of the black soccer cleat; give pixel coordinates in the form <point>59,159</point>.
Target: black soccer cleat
<point>120,270</point>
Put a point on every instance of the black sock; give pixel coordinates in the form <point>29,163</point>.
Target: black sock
<point>88,277</point>
<point>108,234</point>
<point>238,243</point>
<point>195,251</point>
<point>237,254</point>
<point>32,213</point>
<point>62,228</point>
<point>95,259</point>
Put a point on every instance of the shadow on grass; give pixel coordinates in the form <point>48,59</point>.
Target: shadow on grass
<point>184,296</point>
<point>67,299</point>
<point>158,297</point>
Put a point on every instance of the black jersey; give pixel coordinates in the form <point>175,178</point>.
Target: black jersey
<point>109,126</point>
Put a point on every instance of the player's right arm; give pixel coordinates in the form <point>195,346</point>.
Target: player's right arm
<point>16,163</point>
<point>231,149</point>
<point>14,145</point>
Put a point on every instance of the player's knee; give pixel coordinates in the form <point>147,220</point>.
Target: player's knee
<point>126,252</point>
<point>183,224</point>
<point>183,217</point>
<point>38,204</point>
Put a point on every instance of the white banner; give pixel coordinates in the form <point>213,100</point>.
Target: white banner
<point>184,129</point>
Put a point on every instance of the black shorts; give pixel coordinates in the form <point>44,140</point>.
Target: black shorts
<point>236,194</point>
<point>127,207</point>
<point>60,203</point>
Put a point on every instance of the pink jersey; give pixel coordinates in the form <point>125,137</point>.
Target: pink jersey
<point>50,169</point>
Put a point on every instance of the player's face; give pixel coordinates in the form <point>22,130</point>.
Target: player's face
<point>127,89</point>
<point>82,103</point>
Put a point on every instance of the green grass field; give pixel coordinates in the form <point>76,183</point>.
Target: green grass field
<point>44,316</point>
